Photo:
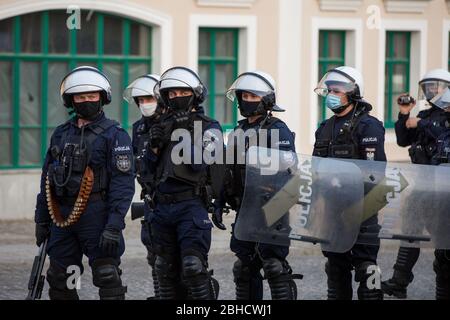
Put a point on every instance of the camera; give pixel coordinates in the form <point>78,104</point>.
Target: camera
<point>405,100</point>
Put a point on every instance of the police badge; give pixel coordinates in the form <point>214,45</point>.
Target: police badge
<point>123,162</point>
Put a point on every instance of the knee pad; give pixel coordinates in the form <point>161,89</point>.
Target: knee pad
<point>165,267</point>
<point>106,276</point>
<point>273,268</point>
<point>198,279</point>
<point>193,266</point>
<point>241,272</point>
<point>249,283</point>
<point>57,280</point>
<point>57,277</point>
<point>280,278</point>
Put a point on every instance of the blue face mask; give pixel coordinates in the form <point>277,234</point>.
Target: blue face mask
<point>333,102</point>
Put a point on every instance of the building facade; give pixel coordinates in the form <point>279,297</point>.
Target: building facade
<point>393,43</point>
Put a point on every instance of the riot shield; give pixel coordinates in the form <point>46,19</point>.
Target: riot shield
<point>298,197</point>
<point>412,203</point>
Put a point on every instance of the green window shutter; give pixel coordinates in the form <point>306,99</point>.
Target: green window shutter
<point>33,108</point>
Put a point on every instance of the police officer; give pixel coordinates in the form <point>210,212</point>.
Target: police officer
<point>181,229</point>
<point>140,91</point>
<point>421,134</point>
<point>255,95</point>
<point>351,133</point>
<point>87,185</point>
<point>441,264</point>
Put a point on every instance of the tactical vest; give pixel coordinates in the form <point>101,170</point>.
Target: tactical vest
<point>234,183</point>
<point>182,172</point>
<point>344,145</point>
<point>424,148</point>
<point>66,173</point>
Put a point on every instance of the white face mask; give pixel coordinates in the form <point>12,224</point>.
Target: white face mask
<point>148,109</point>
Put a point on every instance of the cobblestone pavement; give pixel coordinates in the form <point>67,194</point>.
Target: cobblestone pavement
<point>17,250</point>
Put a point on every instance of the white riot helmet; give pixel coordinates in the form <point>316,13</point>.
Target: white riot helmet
<point>433,83</point>
<point>258,83</point>
<point>181,78</point>
<point>85,79</point>
<point>346,80</point>
<point>142,86</point>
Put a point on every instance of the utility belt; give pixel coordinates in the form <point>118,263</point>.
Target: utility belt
<point>171,198</point>
<point>94,196</point>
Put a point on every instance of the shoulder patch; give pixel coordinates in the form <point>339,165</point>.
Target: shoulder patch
<point>123,162</point>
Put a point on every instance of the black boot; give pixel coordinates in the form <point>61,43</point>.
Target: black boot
<point>402,276</point>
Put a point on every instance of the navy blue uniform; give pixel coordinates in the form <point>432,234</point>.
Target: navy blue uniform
<point>180,225</point>
<point>423,138</point>
<point>364,141</point>
<point>441,264</point>
<point>110,157</point>
<point>253,256</point>
<point>139,142</point>
<point>423,150</point>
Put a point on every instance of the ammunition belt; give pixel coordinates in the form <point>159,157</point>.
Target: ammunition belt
<point>80,203</point>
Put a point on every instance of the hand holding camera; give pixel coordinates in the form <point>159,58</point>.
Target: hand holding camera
<point>406,103</point>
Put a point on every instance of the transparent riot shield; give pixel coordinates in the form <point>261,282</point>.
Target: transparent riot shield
<point>298,197</point>
<point>411,202</point>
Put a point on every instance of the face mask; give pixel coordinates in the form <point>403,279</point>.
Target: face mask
<point>181,103</point>
<point>333,102</point>
<point>248,108</point>
<point>87,110</point>
<point>148,109</point>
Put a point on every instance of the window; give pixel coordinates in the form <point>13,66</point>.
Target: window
<point>218,63</point>
<point>331,55</point>
<point>397,72</point>
<point>36,52</point>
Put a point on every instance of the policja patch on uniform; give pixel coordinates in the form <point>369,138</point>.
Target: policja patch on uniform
<point>123,162</point>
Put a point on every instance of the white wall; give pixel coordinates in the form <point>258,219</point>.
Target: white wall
<point>18,191</point>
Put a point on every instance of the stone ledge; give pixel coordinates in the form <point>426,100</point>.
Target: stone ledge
<point>406,6</point>
<point>226,3</point>
<point>340,5</point>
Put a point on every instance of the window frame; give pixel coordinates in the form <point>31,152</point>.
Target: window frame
<point>212,61</point>
<point>71,58</point>
<point>325,61</point>
<point>390,63</point>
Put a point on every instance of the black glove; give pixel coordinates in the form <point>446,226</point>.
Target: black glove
<point>181,119</point>
<point>157,136</point>
<point>109,241</point>
<point>217,218</point>
<point>42,232</point>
